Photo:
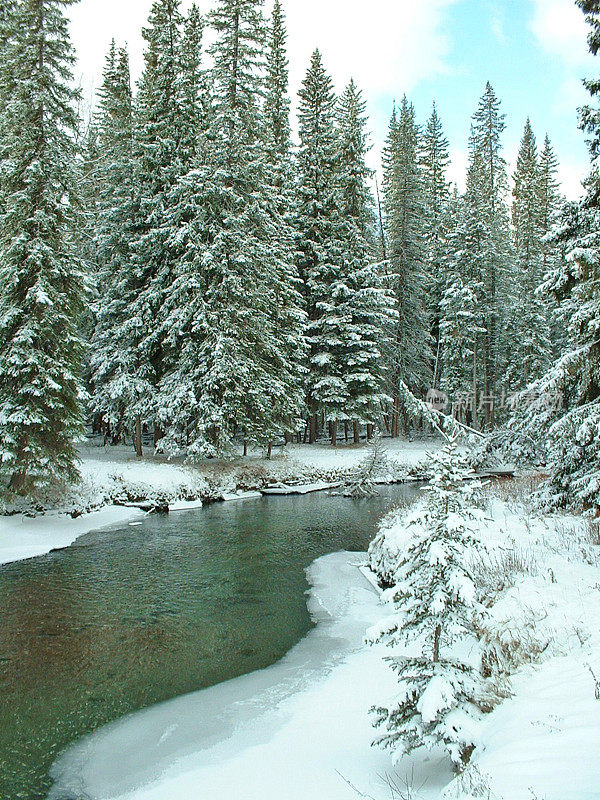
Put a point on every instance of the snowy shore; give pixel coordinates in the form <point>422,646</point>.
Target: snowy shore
<point>113,474</point>
<point>302,729</point>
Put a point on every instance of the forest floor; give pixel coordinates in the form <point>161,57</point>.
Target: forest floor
<point>114,475</point>
<point>301,729</point>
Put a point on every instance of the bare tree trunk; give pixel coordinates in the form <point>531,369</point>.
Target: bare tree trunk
<point>356,431</point>
<point>474,419</point>
<point>436,643</point>
<point>334,429</point>
<point>312,437</point>
<point>345,430</point>
<point>369,432</point>
<point>137,437</point>
<point>396,417</point>
<point>270,450</point>
<point>245,448</point>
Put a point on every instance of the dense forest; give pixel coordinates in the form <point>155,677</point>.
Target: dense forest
<point>188,263</point>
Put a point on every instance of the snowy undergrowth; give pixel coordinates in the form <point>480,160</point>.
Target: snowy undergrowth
<point>538,581</point>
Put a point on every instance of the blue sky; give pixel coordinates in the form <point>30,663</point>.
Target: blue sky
<point>533,52</point>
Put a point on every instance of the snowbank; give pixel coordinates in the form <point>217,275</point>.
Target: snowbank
<point>27,537</point>
<point>541,579</point>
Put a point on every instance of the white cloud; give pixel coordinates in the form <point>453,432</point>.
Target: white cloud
<point>560,28</point>
<point>570,176</point>
<point>457,170</point>
<point>389,46</point>
<point>498,29</point>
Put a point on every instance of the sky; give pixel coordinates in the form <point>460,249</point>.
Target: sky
<point>533,52</point>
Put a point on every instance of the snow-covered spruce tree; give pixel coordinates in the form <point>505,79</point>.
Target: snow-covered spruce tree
<point>364,299</point>
<point>438,696</point>
<point>460,312</point>
<point>191,86</point>
<point>489,250</point>
<point>531,350</point>
<point>553,256</point>
<point>289,310</point>
<point>435,160</point>
<point>7,32</point>
<point>374,465</point>
<point>574,439</point>
<point>409,353</point>
<point>41,276</point>
<point>233,374</point>
<point>320,230</point>
<point>114,358</point>
<point>157,166</point>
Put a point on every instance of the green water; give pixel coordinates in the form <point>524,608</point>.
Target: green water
<point>132,616</point>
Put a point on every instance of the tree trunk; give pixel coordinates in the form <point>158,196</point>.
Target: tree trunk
<point>396,417</point>
<point>345,430</point>
<point>356,431</point>
<point>158,433</point>
<point>312,437</point>
<point>474,420</point>
<point>369,432</point>
<point>270,450</point>
<point>436,643</point>
<point>245,448</point>
<point>18,482</point>
<point>334,429</point>
<point>137,437</point>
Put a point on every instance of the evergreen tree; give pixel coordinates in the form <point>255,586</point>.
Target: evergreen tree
<point>575,438</point>
<point>290,311</point>
<point>367,303</point>
<point>233,372</point>
<point>435,161</point>
<point>7,33</point>
<point>488,242</point>
<point>320,249</point>
<point>277,103</point>
<point>550,204</point>
<point>136,340</point>
<point>530,355</point>
<point>114,357</point>
<point>439,695</point>
<point>191,87</point>
<point>40,273</point>
<point>461,324</point>
<point>566,409</point>
<point>409,356</point>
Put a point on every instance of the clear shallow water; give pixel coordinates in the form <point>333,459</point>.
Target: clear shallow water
<point>129,617</point>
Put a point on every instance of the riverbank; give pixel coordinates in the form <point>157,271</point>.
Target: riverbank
<point>112,476</point>
<point>302,729</point>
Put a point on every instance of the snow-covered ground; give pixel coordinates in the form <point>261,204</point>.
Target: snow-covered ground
<point>24,537</point>
<point>114,473</point>
<point>301,728</point>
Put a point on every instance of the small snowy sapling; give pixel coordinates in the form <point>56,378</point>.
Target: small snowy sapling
<point>434,595</point>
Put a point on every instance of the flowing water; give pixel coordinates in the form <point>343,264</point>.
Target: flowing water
<point>136,615</point>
